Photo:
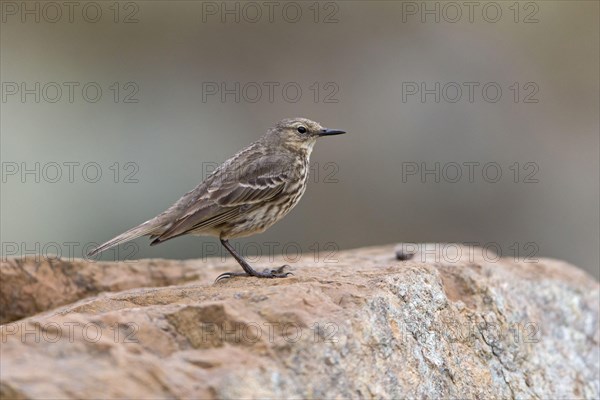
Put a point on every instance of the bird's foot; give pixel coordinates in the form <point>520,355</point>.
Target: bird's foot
<point>267,273</point>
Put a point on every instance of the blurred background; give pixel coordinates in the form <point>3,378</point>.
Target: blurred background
<point>467,123</point>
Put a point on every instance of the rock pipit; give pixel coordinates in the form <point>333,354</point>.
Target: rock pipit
<point>245,195</point>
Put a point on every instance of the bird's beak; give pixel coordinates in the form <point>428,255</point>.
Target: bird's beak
<point>330,132</point>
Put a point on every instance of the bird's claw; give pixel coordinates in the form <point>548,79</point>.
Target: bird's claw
<point>267,273</point>
<point>227,275</point>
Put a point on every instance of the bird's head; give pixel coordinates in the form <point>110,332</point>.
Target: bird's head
<point>300,133</point>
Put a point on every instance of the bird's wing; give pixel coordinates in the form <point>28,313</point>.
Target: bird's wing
<point>233,189</point>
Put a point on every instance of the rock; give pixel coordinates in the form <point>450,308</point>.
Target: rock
<point>364,326</point>
<point>35,284</point>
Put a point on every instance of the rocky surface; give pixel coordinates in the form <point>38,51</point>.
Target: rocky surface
<point>435,325</point>
<point>34,284</point>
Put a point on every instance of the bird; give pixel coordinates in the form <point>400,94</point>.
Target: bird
<point>245,195</point>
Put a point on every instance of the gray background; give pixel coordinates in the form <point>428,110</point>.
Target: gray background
<point>173,136</point>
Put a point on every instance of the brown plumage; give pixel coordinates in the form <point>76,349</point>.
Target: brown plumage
<point>245,195</point>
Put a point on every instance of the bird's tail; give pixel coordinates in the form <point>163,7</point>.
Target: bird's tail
<point>144,229</point>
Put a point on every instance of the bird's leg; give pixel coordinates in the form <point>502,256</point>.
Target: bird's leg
<point>249,271</point>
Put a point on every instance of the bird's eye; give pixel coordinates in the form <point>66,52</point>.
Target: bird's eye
<point>301,129</point>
